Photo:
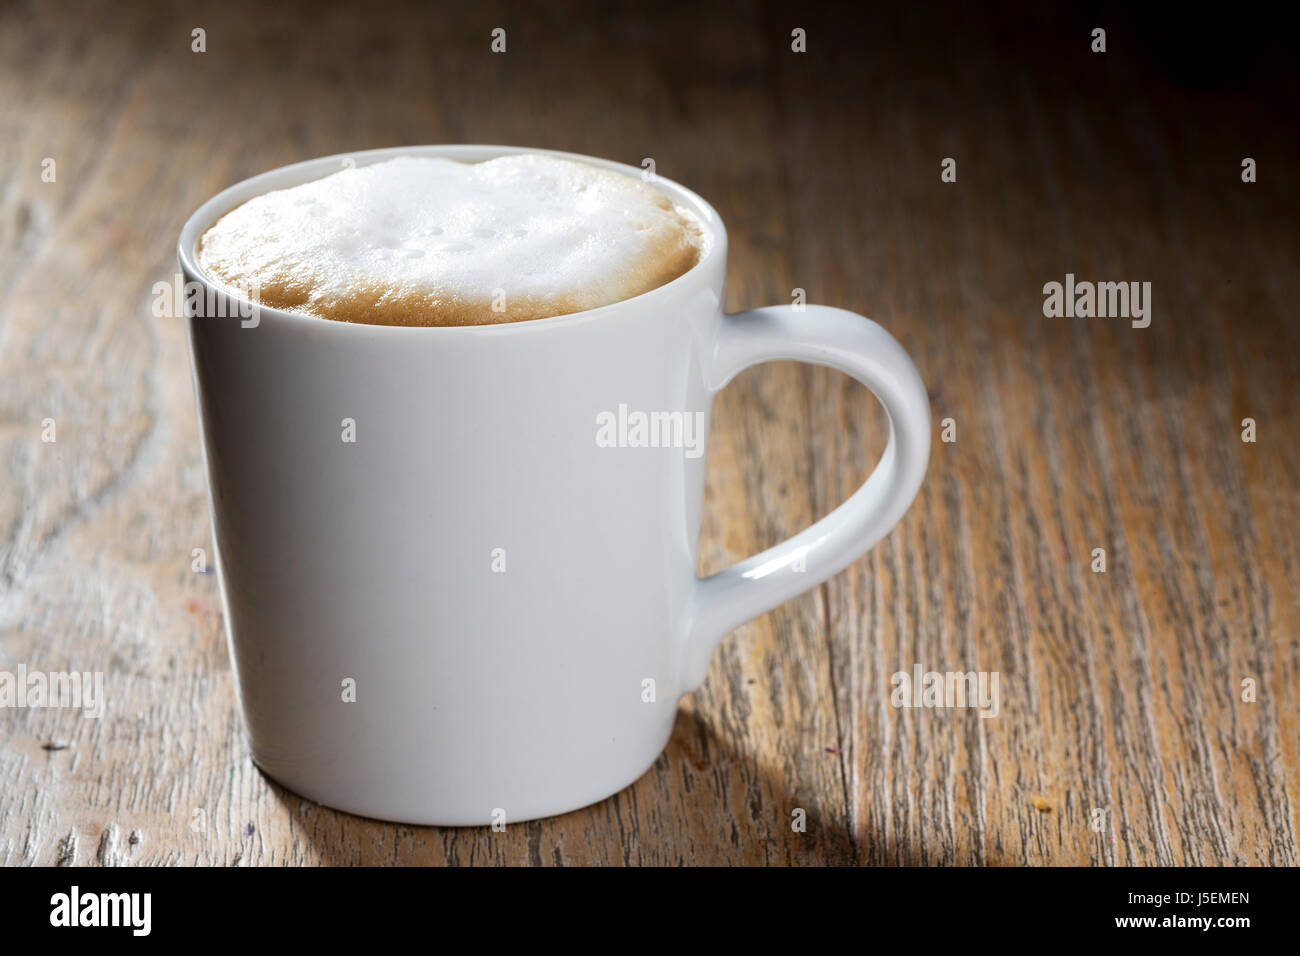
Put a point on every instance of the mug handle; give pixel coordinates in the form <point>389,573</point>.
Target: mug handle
<point>852,344</point>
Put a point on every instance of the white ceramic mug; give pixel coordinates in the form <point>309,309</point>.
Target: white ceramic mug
<point>502,583</point>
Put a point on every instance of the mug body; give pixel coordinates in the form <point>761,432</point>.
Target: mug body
<point>455,568</point>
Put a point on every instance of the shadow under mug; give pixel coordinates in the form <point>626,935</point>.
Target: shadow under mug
<point>457,564</point>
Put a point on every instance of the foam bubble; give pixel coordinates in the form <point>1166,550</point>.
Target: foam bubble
<point>424,241</point>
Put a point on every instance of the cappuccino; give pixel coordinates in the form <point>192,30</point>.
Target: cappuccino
<point>425,241</point>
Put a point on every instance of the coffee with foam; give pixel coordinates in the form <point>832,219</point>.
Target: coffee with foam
<point>423,241</point>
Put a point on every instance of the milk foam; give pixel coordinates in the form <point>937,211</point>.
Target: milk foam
<point>424,241</point>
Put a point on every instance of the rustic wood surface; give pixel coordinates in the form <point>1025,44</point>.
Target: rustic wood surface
<point>1120,692</point>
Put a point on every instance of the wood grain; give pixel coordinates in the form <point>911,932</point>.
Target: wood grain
<point>1120,692</point>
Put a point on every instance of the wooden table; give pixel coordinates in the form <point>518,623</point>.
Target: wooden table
<point>1122,735</point>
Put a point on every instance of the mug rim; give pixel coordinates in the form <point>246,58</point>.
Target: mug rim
<point>295,174</point>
